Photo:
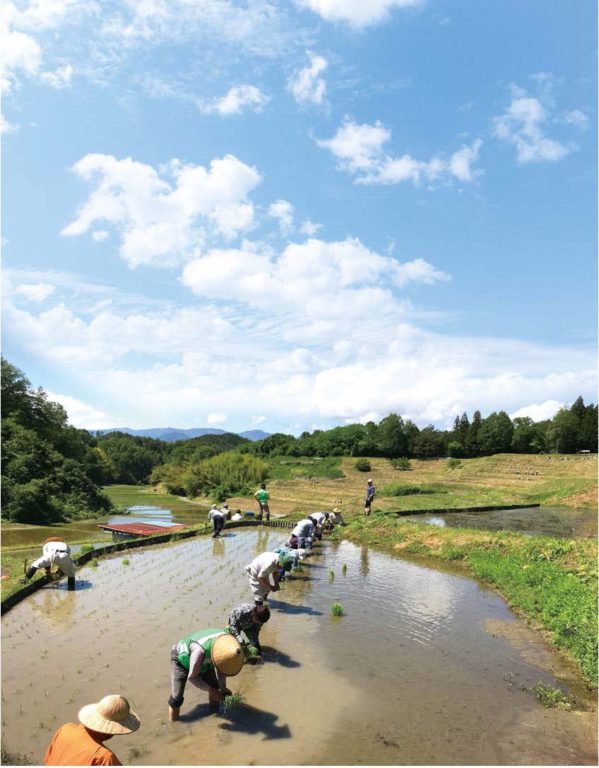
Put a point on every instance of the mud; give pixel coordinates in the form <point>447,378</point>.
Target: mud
<point>423,668</point>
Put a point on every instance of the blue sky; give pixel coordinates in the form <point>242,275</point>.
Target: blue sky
<point>291,215</point>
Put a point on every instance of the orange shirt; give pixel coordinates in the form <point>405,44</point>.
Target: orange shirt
<point>73,744</point>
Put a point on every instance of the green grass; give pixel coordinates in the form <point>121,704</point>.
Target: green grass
<point>290,468</point>
<point>551,697</point>
<point>553,582</point>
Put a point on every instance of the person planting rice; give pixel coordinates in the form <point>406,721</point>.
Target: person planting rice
<point>260,570</point>
<point>218,519</point>
<point>295,554</point>
<point>320,518</point>
<point>302,534</point>
<point>54,553</point>
<point>245,623</point>
<point>84,744</point>
<point>262,497</point>
<point>205,658</point>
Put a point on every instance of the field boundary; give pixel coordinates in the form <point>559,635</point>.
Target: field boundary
<point>441,510</point>
<point>148,541</point>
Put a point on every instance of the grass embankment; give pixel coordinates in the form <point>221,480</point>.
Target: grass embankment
<point>553,582</point>
<point>299,485</point>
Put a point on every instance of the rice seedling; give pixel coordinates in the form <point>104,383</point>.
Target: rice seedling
<point>126,561</point>
<point>337,609</point>
<point>331,575</point>
<point>344,569</point>
<point>233,701</point>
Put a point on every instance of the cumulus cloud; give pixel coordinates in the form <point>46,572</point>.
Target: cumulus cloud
<point>309,228</point>
<point>522,125</point>
<point>216,418</point>
<point>538,411</point>
<point>282,211</point>
<point>359,149</point>
<point>82,415</point>
<point>60,78</point>
<point>306,85</point>
<point>357,13</point>
<point>35,291</point>
<point>306,339</point>
<point>6,126</point>
<point>575,117</point>
<point>165,216</point>
<point>235,101</point>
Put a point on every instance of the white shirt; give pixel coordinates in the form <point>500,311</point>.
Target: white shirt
<point>264,564</point>
<point>320,517</point>
<point>303,528</point>
<point>214,512</point>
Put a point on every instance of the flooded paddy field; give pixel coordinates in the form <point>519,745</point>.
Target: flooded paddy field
<point>425,667</point>
<point>559,522</point>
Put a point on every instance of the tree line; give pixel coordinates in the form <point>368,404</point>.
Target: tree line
<point>52,471</point>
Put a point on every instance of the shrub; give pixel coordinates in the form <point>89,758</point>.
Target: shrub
<point>404,490</point>
<point>224,475</point>
<point>402,464</point>
<point>86,548</point>
<point>453,463</point>
<point>363,465</point>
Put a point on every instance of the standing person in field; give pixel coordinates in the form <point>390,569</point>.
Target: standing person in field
<point>369,497</point>
<point>205,659</point>
<point>218,520</point>
<point>262,497</point>
<point>54,552</point>
<point>84,744</point>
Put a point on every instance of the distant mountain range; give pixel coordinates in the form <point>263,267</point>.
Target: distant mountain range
<point>171,434</point>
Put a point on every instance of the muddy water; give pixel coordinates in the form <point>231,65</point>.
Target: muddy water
<point>562,522</point>
<point>425,667</point>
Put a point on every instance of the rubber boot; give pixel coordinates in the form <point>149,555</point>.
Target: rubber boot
<point>173,713</point>
<point>71,583</point>
<point>28,574</point>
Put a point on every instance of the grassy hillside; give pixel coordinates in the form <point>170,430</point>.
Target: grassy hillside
<point>301,485</point>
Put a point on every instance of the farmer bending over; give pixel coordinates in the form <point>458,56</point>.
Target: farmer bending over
<point>84,744</point>
<point>245,623</point>
<point>301,535</point>
<point>260,570</point>
<point>54,552</point>
<point>205,658</point>
<point>218,520</point>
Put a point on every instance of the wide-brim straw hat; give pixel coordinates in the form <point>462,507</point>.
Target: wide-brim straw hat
<point>227,655</point>
<point>111,714</point>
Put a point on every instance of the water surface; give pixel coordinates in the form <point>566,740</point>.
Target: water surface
<point>420,670</point>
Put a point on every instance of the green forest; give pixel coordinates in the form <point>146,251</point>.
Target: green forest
<point>52,472</point>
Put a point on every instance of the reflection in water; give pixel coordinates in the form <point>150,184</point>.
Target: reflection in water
<point>218,547</point>
<point>364,565</point>
<point>55,607</point>
<point>561,522</point>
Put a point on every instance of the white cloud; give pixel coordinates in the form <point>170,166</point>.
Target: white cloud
<point>82,415</point>
<point>316,331</point>
<point>282,211</point>
<point>165,217</point>
<point>306,85</point>
<point>309,228</point>
<point>539,411</point>
<point>100,235</point>
<point>216,418</point>
<point>35,291</point>
<point>60,78</point>
<point>357,13</point>
<point>359,151</point>
<point>575,117</point>
<point>522,125</point>
<point>6,127</point>
<point>235,101</point>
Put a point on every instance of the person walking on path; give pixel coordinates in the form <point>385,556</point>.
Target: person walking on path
<point>218,520</point>
<point>262,498</point>
<point>54,553</point>
<point>205,659</point>
<point>369,497</point>
<point>245,623</point>
<point>83,744</point>
<point>260,570</point>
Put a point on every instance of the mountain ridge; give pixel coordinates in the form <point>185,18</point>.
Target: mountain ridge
<point>174,434</point>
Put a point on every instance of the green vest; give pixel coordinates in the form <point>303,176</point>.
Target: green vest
<point>205,638</point>
<point>262,496</point>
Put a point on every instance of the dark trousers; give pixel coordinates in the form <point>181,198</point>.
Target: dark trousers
<point>219,524</point>
<point>179,679</point>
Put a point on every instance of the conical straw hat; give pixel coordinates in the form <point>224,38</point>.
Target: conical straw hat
<point>227,656</point>
<point>109,715</point>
